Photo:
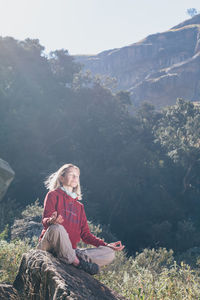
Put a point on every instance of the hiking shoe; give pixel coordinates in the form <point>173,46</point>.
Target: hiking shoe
<point>81,254</point>
<point>88,266</point>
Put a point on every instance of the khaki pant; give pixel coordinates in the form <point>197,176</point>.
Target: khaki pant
<point>56,240</point>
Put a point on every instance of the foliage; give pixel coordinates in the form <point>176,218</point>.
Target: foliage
<point>192,12</point>
<point>145,192</point>
<point>33,210</point>
<point>10,258</point>
<point>155,260</point>
<point>4,234</point>
<point>178,130</point>
<point>152,274</point>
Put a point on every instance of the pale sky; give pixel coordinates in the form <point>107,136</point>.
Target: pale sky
<point>90,26</point>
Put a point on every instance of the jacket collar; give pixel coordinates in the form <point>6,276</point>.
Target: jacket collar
<point>61,191</point>
<point>71,194</point>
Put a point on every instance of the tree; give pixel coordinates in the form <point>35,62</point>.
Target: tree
<point>178,130</point>
<point>192,12</point>
<point>63,66</point>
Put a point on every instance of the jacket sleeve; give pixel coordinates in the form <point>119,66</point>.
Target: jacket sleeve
<point>49,208</point>
<point>86,236</point>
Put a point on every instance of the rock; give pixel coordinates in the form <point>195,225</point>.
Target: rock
<point>190,21</point>
<point>6,176</point>
<point>26,228</point>
<point>158,69</point>
<point>8,292</point>
<point>42,276</point>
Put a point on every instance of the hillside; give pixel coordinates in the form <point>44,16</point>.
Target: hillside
<point>158,69</point>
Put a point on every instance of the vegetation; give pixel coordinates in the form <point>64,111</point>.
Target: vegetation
<point>192,12</point>
<point>33,210</point>
<point>139,171</point>
<point>151,274</point>
<point>10,258</point>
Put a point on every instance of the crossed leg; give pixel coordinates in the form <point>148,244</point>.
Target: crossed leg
<point>56,240</point>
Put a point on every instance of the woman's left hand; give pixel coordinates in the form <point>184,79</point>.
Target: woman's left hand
<point>116,246</point>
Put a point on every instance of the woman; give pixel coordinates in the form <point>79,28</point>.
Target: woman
<point>65,223</point>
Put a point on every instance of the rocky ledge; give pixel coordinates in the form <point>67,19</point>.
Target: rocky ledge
<point>43,277</point>
<point>8,292</point>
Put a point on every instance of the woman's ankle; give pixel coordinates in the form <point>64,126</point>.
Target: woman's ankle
<point>76,262</point>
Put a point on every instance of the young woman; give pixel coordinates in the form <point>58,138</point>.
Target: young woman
<point>65,223</point>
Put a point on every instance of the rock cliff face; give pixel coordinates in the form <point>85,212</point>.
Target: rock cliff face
<point>158,69</point>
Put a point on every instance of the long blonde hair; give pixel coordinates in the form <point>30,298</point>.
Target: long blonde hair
<point>53,181</point>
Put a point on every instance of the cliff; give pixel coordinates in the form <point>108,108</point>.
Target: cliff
<point>158,69</point>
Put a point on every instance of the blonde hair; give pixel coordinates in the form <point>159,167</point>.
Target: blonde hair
<point>53,181</point>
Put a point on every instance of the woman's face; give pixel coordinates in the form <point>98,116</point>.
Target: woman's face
<point>70,178</point>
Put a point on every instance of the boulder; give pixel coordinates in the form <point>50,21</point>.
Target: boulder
<point>6,176</point>
<point>8,292</point>
<point>43,277</point>
<point>27,227</point>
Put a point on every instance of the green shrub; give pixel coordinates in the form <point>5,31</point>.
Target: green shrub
<point>10,258</point>
<point>154,260</point>
<point>151,275</point>
<point>4,234</point>
<point>33,210</point>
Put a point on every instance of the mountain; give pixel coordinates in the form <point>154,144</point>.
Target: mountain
<point>157,69</point>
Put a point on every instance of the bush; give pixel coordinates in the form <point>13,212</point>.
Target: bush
<point>33,210</point>
<point>4,234</point>
<point>155,260</point>
<point>10,258</point>
<point>152,274</point>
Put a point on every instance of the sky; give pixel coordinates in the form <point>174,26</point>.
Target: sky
<point>90,26</point>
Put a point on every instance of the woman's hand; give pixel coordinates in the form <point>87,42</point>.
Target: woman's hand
<point>55,219</point>
<point>116,246</point>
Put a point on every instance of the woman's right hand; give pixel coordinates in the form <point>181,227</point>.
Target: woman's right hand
<point>55,218</point>
<point>117,246</point>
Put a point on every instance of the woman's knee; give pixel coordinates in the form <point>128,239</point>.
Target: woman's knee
<point>109,253</point>
<point>56,229</point>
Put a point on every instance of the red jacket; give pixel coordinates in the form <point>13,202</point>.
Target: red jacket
<point>73,213</point>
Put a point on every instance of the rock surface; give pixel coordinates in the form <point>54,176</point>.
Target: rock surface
<point>6,176</point>
<point>26,228</point>
<point>8,292</point>
<point>42,277</point>
<point>157,69</point>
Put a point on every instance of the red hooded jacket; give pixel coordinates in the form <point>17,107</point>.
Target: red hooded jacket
<point>73,213</point>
